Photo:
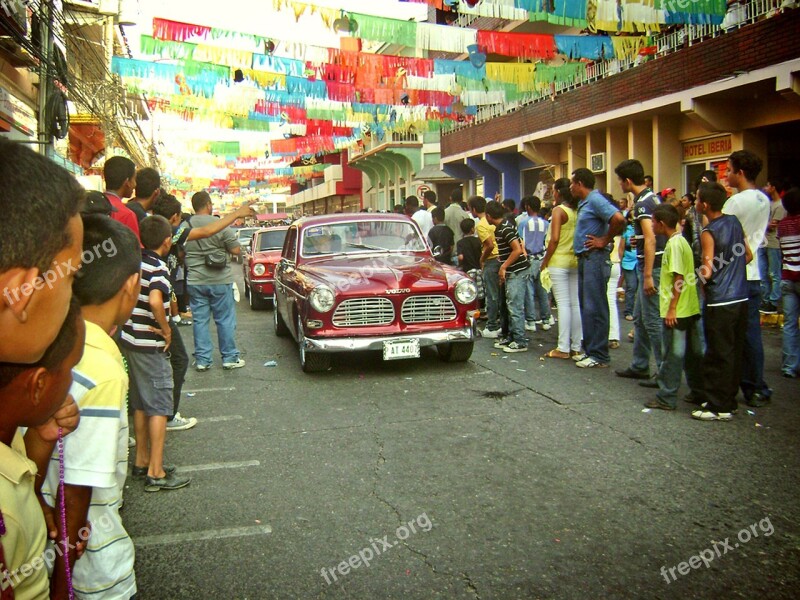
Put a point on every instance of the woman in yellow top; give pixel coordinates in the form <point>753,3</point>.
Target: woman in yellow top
<point>562,263</point>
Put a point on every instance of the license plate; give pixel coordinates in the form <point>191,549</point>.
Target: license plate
<point>397,349</point>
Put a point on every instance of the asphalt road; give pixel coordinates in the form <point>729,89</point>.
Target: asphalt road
<point>503,477</point>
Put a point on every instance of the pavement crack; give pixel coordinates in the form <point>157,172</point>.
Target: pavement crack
<point>463,577</point>
<point>470,584</point>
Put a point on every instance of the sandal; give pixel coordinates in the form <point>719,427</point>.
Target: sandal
<point>630,335</point>
<point>613,344</point>
<point>556,353</point>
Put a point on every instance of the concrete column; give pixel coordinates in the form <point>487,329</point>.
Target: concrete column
<point>667,153</point>
<point>596,143</point>
<point>616,152</point>
<point>576,153</point>
<point>640,143</point>
<point>509,167</point>
<point>491,176</point>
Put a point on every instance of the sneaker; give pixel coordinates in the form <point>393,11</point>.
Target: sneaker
<point>758,400</point>
<point>131,442</point>
<point>501,343</point>
<point>179,423</point>
<point>546,325</point>
<point>590,363</point>
<point>649,383</point>
<point>490,333</point>
<point>656,403</point>
<point>141,472</point>
<point>768,308</point>
<point>632,374</point>
<point>703,414</point>
<point>202,368</point>
<point>515,347</point>
<point>170,482</point>
<point>530,326</point>
<point>577,356</point>
<point>629,317</point>
<point>233,365</point>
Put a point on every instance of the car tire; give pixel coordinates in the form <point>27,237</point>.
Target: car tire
<point>311,362</point>
<point>455,351</point>
<point>281,330</point>
<point>255,302</point>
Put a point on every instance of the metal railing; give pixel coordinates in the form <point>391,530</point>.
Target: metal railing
<point>739,15</point>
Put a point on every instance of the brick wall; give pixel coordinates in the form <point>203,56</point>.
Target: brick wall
<point>768,42</point>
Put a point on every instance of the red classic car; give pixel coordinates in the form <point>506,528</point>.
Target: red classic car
<point>368,281</point>
<point>259,266</point>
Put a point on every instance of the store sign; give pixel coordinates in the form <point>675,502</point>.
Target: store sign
<point>16,113</point>
<point>703,149</point>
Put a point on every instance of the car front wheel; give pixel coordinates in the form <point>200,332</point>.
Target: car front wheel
<point>311,362</point>
<point>255,302</point>
<point>281,330</point>
<point>455,351</point>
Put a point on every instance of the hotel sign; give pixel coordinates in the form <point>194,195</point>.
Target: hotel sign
<point>702,149</point>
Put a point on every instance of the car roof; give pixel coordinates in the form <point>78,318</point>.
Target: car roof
<point>274,228</point>
<point>350,218</point>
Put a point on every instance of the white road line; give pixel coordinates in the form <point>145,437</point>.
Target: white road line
<point>219,419</point>
<point>197,536</point>
<point>219,465</point>
<point>200,390</point>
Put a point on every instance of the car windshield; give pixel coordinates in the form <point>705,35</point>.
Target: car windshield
<point>271,240</point>
<point>361,237</point>
<point>246,234</point>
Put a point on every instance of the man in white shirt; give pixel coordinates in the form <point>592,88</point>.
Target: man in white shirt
<point>751,206</point>
<point>421,216</point>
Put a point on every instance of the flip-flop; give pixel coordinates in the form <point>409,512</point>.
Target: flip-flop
<point>556,353</point>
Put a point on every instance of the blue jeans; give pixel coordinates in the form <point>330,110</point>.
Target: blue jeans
<point>631,278</point>
<point>647,325</point>
<point>791,334</point>
<point>752,380</point>
<point>679,348</point>
<point>769,264</point>
<point>216,300</point>
<point>594,269</point>
<point>491,284</point>
<point>516,286</point>
<point>537,301</point>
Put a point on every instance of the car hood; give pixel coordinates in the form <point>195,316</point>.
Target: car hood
<point>268,255</point>
<point>376,274</point>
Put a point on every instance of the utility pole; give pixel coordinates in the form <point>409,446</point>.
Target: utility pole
<point>45,76</point>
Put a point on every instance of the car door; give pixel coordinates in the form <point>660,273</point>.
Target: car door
<point>285,278</point>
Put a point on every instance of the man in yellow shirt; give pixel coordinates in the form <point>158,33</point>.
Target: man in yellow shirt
<point>490,266</point>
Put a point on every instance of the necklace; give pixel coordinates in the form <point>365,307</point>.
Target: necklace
<point>63,510</point>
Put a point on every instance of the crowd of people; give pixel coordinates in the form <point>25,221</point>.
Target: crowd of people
<point>697,272</point>
<point>90,315</point>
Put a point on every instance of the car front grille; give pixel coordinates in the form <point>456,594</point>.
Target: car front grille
<point>428,309</point>
<point>364,312</point>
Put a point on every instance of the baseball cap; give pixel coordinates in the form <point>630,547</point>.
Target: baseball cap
<point>666,191</point>
<point>97,203</point>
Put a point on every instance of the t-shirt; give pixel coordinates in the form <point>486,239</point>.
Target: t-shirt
<point>137,209</point>
<point>751,207</point>
<point>453,215</point>
<point>629,256</point>
<point>728,282</point>
<point>469,248</point>
<point>180,235</point>
<point>137,333</point>
<point>96,456</point>
<point>678,260</point>
<point>533,231</point>
<point>425,221</point>
<point>645,203</point>
<point>485,230</point>
<point>218,244</point>
<point>440,236</point>
<point>789,236</point>
<point>776,213</point>
<point>24,541</point>
<point>123,214</point>
<point>594,213</point>
<point>505,234</point>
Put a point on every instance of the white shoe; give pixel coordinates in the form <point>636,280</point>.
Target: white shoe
<point>179,423</point>
<point>233,365</point>
<point>490,333</point>
<point>531,326</point>
<point>131,442</point>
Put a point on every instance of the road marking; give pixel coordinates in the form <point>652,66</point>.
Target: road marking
<point>219,465</point>
<point>219,419</point>
<point>198,536</point>
<point>220,389</point>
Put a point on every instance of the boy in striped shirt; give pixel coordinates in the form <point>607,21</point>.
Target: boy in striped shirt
<point>146,337</point>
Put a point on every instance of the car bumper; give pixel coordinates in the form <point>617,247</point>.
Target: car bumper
<point>348,344</point>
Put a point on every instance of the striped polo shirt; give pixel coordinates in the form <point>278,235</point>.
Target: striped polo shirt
<point>96,456</point>
<point>137,333</point>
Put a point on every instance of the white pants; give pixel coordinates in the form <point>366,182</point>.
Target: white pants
<point>613,310</point>
<point>565,291</point>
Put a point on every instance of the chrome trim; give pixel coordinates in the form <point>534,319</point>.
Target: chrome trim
<point>364,312</point>
<point>428,309</point>
<point>462,334</point>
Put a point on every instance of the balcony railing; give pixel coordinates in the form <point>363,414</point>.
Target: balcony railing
<point>739,15</point>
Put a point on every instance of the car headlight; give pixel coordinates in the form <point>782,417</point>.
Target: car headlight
<point>322,298</point>
<point>259,270</point>
<point>466,291</point>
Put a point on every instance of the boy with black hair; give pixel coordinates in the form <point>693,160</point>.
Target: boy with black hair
<point>789,236</point>
<point>751,206</point>
<point>681,342</point>
<point>429,200</point>
<point>513,274</point>
<point>30,395</point>
<point>148,188</point>
<point>441,237</point>
<point>119,174</point>
<point>724,275</point>
<point>146,337</point>
<point>769,255</point>
<point>469,255</point>
<point>40,250</point>
<point>532,229</point>
<point>96,454</point>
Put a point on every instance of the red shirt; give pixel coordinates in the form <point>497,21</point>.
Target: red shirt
<point>123,214</point>
<point>789,236</point>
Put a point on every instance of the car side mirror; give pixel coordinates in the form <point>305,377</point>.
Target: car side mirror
<point>285,266</point>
